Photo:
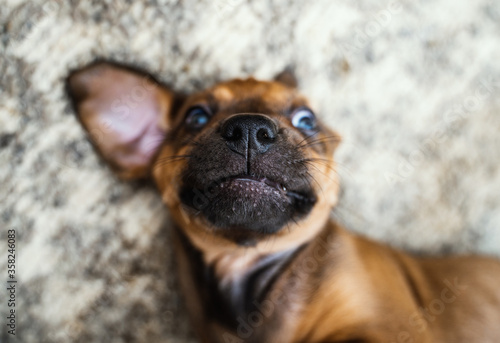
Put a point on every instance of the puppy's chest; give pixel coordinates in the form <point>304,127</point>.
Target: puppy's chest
<point>251,290</point>
<point>253,306</point>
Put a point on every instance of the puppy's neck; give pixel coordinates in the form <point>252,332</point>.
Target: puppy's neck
<point>236,265</point>
<point>229,258</point>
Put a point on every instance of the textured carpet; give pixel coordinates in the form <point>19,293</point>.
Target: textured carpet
<point>413,87</point>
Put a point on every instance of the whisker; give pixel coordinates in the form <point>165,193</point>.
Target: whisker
<point>175,157</point>
<point>316,181</point>
<point>170,159</point>
<point>307,137</point>
<point>328,163</point>
<point>311,161</point>
<point>326,175</point>
<point>319,141</point>
<point>195,140</point>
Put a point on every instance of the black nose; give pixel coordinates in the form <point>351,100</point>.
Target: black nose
<point>248,134</point>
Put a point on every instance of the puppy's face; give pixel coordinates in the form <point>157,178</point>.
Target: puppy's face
<point>244,160</point>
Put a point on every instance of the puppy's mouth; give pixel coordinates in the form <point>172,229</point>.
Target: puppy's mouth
<point>248,204</point>
<point>262,186</point>
<point>252,183</point>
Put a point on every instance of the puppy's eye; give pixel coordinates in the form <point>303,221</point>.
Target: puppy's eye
<point>197,117</point>
<point>304,119</point>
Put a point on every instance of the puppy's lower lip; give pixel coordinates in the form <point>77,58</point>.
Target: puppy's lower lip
<point>263,180</point>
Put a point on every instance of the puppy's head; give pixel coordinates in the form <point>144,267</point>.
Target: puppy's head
<point>242,161</point>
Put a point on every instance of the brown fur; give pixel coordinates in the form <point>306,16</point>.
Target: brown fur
<point>321,282</point>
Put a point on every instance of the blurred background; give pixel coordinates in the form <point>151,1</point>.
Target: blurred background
<point>412,86</point>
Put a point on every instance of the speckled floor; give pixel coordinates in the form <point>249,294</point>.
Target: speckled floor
<point>413,87</point>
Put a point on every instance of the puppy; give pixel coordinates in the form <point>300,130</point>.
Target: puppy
<point>246,170</point>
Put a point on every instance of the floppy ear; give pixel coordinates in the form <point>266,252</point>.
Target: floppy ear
<point>287,77</point>
<point>126,114</point>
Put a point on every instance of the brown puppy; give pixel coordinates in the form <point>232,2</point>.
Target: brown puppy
<point>246,170</point>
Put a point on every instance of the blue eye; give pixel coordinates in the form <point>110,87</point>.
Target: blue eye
<point>196,118</point>
<point>304,119</point>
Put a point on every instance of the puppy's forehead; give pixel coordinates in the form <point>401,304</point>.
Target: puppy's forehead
<point>251,95</point>
<point>240,89</point>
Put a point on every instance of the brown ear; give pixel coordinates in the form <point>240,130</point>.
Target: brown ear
<point>287,78</point>
<point>126,114</point>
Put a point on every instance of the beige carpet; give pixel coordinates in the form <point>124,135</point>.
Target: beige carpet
<point>413,87</point>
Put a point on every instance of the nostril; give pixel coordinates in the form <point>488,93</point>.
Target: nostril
<point>264,136</point>
<point>233,133</point>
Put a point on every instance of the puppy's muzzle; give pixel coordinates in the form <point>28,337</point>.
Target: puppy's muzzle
<point>249,134</point>
<point>246,178</point>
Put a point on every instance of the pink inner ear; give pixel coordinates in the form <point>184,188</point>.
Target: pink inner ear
<point>122,111</point>
<point>137,136</point>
